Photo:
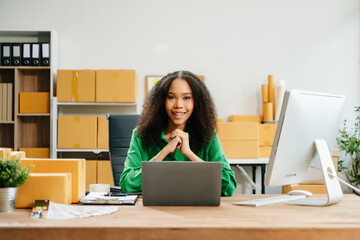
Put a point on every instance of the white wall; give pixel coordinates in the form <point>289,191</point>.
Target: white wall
<point>311,44</point>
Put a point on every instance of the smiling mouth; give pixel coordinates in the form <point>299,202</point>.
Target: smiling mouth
<point>179,114</point>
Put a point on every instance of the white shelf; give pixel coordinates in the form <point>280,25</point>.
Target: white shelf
<point>82,150</point>
<point>249,161</point>
<point>94,104</point>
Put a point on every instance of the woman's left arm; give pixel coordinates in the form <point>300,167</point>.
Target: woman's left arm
<point>215,153</point>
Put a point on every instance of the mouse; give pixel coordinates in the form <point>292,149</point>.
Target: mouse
<point>300,192</point>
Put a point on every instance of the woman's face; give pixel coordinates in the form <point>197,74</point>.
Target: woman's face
<point>179,103</point>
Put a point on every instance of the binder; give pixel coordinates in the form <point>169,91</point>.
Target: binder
<point>15,54</point>
<point>9,101</point>
<point>5,54</point>
<point>26,54</point>
<point>45,54</point>
<point>35,54</point>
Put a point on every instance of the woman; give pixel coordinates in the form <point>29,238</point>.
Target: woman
<point>178,123</point>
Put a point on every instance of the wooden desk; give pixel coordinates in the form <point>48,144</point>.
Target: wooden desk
<point>277,221</point>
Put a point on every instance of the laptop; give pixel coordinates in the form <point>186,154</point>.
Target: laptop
<point>181,183</point>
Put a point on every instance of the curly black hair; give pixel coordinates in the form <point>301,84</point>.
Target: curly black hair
<point>202,123</point>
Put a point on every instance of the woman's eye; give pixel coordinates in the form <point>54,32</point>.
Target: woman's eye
<point>187,98</point>
<point>170,97</point>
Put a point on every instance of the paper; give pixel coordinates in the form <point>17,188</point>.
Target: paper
<point>100,198</point>
<point>62,211</point>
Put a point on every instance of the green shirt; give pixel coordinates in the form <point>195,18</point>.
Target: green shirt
<point>130,180</point>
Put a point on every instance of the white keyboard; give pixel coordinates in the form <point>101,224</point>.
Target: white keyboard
<point>269,200</point>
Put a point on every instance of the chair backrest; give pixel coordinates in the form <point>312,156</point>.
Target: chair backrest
<point>120,131</point>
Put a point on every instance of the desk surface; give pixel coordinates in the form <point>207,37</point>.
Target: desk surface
<point>228,221</point>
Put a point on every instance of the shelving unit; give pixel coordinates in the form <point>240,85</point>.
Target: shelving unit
<point>27,129</point>
<point>84,109</point>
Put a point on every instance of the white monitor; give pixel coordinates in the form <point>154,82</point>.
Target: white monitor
<point>305,136</point>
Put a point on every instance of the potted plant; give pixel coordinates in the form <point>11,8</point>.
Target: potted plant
<point>12,175</point>
<point>349,142</point>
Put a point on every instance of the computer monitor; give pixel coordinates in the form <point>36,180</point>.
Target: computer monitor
<point>306,131</point>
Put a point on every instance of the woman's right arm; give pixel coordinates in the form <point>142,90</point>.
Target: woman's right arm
<point>130,179</point>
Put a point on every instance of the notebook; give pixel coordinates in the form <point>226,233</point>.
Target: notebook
<point>98,198</point>
<point>181,183</point>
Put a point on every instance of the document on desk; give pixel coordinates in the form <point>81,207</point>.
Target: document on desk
<point>98,198</point>
<point>63,211</point>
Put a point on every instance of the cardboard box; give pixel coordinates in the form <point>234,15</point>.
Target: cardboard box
<point>220,120</point>
<point>265,151</point>
<point>17,155</point>
<point>246,118</point>
<point>77,132</point>
<point>116,86</point>
<point>5,153</point>
<point>104,172</point>
<point>75,86</point>
<point>267,134</point>
<point>103,133</point>
<point>77,168</point>
<point>240,149</point>
<point>55,187</point>
<point>36,152</point>
<point>34,102</point>
<point>91,173</point>
<point>238,131</point>
<point>313,188</point>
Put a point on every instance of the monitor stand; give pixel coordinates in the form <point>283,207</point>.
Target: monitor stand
<point>334,191</point>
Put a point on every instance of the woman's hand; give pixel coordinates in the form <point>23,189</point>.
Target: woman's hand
<point>185,145</point>
<point>171,147</point>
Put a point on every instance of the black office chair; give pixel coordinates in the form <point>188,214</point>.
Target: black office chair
<point>120,131</point>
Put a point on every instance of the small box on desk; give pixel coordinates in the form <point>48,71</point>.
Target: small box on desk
<point>55,187</point>
<point>34,102</point>
<point>77,132</point>
<point>77,168</point>
<point>76,86</point>
<point>17,155</point>
<point>116,86</point>
<point>5,153</point>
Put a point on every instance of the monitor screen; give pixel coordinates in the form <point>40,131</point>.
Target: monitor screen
<point>305,116</point>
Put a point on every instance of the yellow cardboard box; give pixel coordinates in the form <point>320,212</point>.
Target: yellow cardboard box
<point>265,151</point>
<point>116,86</point>
<point>77,168</point>
<point>76,86</point>
<point>267,134</point>
<point>34,102</point>
<point>36,152</point>
<point>103,133</point>
<point>246,118</point>
<point>104,172</point>
<point>240,149</point>
<point>77,132</point>
<point>55,187</point>
<point>238,131</point>
<point>17,155</point>
<point>313,188</point>
<point>91,173</point>
<point>5,153</point>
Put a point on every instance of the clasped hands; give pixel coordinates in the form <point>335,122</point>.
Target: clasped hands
<point>179,139</point>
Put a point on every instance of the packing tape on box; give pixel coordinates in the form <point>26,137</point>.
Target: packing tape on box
<point>99,188</point>
<point>75,87</point>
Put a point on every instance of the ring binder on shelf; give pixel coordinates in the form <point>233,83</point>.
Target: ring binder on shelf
<point>15,54</point>
<point>35,54</point>
<point>5,54</point>
<point>45,54</point>
<point>26,54</point>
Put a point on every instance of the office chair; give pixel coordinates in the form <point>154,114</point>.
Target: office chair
<point>120,131</point>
